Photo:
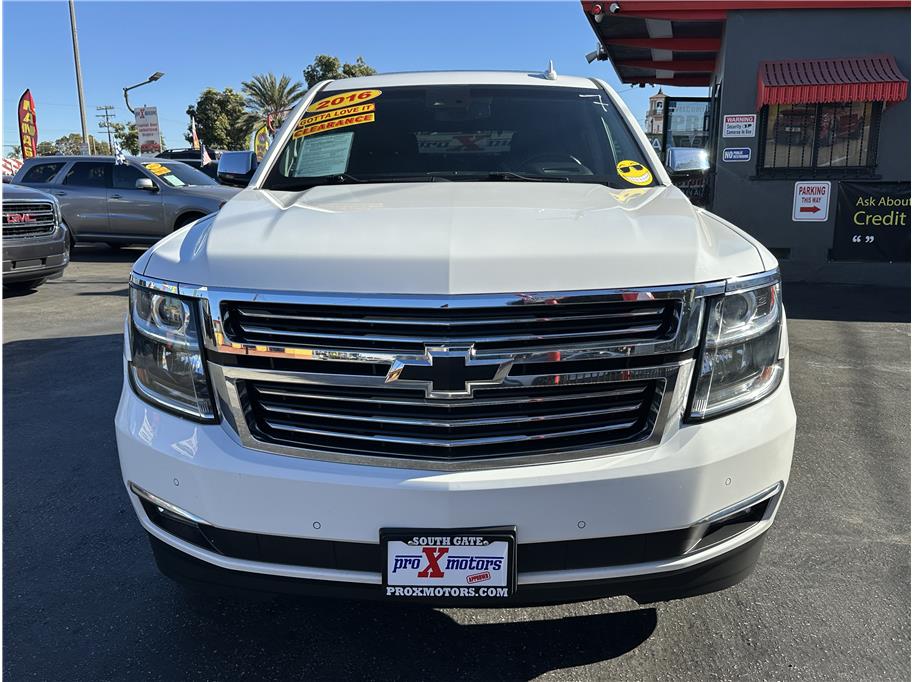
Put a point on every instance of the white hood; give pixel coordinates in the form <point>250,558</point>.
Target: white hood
<point>454,238</point>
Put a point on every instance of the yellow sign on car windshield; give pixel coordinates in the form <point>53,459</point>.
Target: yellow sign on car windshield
<point>344,99</point>
<point>157,168</point>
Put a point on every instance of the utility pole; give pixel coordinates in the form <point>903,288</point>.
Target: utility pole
<point>106,114</point>
<point>82,112</point>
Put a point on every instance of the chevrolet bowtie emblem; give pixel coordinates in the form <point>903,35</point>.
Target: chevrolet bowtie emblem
<point>449,372</point>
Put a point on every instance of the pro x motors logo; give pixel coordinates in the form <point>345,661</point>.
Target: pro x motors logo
<point>448,566</point>
<point>434,562</point>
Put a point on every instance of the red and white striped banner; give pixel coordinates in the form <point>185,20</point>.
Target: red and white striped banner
<point>10,166</point>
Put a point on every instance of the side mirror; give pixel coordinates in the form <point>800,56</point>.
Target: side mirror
<point>686,159</point>
<point>146,184</point>
<point>236,168</point>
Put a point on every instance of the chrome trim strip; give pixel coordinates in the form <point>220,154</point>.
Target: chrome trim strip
<point>737,507</point>
<point>379,382</point>
<point>475,402</point>
<point>164,504</point>
<point>436,423</point>
<point>752,281</point>
<point>154,284</point>
<point>463,442</point>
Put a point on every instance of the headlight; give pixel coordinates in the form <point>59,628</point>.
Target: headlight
<point>166,365</point>
<point>740,362</point>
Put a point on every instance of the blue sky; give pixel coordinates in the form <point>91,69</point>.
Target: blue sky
<point>219,44</point>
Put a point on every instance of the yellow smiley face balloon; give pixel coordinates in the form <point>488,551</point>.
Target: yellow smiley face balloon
<point>634,172</point>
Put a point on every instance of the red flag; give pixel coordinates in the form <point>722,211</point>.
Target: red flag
<point>28,126</point>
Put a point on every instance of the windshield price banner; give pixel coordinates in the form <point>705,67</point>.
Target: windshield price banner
<point>872,222</point>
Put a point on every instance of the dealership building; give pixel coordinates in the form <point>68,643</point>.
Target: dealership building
<point>799,127</point>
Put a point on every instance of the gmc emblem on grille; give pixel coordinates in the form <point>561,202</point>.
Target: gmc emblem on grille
<point>19,218</point>
<point>449,372</point>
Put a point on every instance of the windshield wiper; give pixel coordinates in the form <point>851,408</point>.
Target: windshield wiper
<point>476,176</point>
<point>303,183</point>
<point>511,175</point>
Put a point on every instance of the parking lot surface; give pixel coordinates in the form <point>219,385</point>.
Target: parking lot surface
<point>83,600</point>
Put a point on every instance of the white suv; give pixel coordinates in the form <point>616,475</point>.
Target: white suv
<point>459,341</point>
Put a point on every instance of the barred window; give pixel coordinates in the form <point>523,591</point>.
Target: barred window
<point>823,138</point>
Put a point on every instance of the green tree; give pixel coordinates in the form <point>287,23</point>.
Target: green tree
<point>326,67</point>
<point>125,136</point>
<point>15,152</point>
<point>269,99</point>
<point>72,144</point>
<point>47,149</point>
<point>221,120</point>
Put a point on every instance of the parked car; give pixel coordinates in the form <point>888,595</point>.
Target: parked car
<point>138,201</point>
<point>460,341</point>
<point>35,242</point>
<point>194,157</point>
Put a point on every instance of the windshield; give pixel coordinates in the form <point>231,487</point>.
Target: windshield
<point>477,133</point>
<point>176,174</point>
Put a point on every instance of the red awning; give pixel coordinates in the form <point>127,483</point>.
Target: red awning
<point>858,79</point>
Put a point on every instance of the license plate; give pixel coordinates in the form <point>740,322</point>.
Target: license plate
<point>449,564</point>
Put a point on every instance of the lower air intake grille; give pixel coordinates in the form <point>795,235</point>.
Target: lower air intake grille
<point>499,422</point>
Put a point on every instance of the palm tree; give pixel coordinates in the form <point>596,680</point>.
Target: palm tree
<point>269,99</point>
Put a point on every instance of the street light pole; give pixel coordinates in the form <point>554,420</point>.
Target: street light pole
<point>82,112</point>
<point>151,79</point>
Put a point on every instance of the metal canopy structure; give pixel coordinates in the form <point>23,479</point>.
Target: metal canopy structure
<point>811,81</point>
<point>669,42</point>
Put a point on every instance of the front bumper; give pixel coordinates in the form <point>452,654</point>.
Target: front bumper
<point>673,487</point>
<point>28,259</point>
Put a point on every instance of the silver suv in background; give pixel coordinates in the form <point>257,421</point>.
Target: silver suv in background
<point>35,243</point>
<point>136,201</point>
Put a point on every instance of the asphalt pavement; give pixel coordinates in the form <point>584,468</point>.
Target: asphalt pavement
<point>82,599</point>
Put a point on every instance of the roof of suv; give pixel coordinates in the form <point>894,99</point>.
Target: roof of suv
<point>79,157</point>
<point>460,78</point>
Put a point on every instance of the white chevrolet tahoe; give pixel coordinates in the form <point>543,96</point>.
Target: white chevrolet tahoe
<point>459,341</point>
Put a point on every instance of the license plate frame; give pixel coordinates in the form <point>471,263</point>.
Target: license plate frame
<point>499,586</point>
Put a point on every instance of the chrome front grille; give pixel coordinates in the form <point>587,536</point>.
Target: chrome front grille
<point>28,219</point>
<point>352,378</point>
<point>495,423</point>
<point>522,326</point>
